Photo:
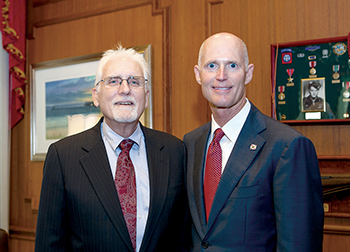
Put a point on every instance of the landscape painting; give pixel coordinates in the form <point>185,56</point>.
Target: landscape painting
<point>65,98</point>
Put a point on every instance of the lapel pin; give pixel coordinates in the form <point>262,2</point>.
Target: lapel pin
<point>253,147</point>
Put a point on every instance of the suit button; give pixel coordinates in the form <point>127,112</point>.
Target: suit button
<point>205,244</point>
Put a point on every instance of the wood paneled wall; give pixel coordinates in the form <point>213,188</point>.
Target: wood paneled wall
<point>58,29</point>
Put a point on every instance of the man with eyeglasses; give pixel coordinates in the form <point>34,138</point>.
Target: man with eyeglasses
<point>118,186</point>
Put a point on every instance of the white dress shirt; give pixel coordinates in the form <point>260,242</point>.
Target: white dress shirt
<point>138,157</point>
<point>231,129</point>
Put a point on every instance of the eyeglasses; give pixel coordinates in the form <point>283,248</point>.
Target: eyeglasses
<point>134,82</point>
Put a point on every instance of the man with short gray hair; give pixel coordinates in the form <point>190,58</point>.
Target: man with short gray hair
<point>118,186</point>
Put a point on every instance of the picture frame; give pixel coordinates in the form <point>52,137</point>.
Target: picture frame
<point>313,95</point>
<point>61,99</point>
<point>295,64</point>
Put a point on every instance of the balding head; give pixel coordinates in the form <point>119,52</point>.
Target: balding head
<point>220,40</point>
<point>223,71</point>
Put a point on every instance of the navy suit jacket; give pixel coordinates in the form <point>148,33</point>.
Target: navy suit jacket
<point>269,198</point>
<point>79,206</point>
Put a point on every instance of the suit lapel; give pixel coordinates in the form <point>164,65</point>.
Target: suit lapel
<point>247,146</point>
<point>196,199</point>
<point>96,166</point>
<point>158,167</point>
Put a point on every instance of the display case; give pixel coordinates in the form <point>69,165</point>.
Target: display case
<point>311,81</point>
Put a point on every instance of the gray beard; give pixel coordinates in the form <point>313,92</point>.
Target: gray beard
<point>125,116</point>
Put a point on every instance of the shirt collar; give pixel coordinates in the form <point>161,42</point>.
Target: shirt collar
<point>236,123</point>
<point>114,139</point>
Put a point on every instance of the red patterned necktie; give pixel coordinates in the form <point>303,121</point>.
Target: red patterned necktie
<point>212,170</point>
<point>126,187</point>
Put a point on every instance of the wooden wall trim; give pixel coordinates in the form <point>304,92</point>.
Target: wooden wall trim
<point>167,62</point>
<point>21,233</point>
<point>208,23</point>
<point>30,19</point>
<point>37,3</point>
<point>337,215</point>
<point>34,204</point>
<point>336,229</point>
<point>324,157</point>
<point>31,25</point>
<point>209,32</point>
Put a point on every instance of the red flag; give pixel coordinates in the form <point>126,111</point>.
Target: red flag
<point>13,28</point>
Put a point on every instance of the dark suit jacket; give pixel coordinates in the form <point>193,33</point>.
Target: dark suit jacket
<point>268,198</point>
<point>79,207</point>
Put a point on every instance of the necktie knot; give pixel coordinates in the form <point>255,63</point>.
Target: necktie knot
<point>126,144</point>
<point>218,134</point>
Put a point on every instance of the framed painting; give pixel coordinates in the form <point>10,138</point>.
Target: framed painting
<point>61,99</point>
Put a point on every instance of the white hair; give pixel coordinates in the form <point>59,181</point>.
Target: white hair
<point>120,51</point>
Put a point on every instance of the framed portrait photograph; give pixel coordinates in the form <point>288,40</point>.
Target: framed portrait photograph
<point>61,99</point>
<point>313,95</point>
